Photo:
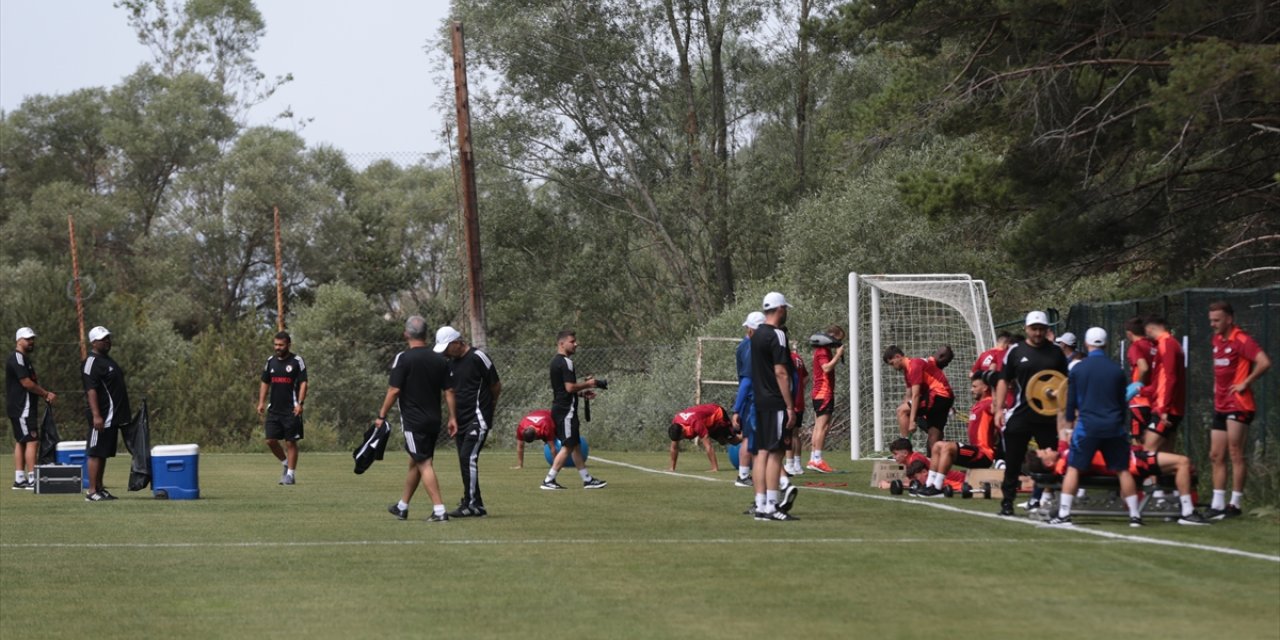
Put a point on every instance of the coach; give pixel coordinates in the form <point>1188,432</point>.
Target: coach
<point>475,394</point>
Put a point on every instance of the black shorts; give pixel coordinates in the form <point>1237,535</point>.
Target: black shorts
<point>1220,419</point>
<point>1139,418</point>
<point>568,429</point>
<point>1145,464</point>
<point>771,431</point>
<point>420,441</point>
<point>24,429</point>
<point>102,444</point>
<point>935,415</point>
<point>823,406</point>
<point>1165,429</point>
<point>971,457</point>
<point>283,426</point>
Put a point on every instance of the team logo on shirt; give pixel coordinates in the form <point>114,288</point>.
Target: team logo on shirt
<point>685,415</point>
<point>536,419</point>
<point>288,368</point>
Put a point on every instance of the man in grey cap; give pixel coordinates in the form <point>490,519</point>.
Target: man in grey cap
<point>22,393</point>
<point>108,409</point>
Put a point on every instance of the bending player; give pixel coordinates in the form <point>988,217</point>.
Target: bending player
<point>919,472</point>
<point>537,425</point>
<point>929,397</point>
<point>706,422</point>
<point>978,453</point>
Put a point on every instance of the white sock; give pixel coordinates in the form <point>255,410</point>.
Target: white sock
<point>784,482</point>
<point>1046,497</point>
<point>937,483</point>
<point>437,509</point>
<point>759,502</point>
<point>744,472</point>
<point>1132,503</point>
<point>928,482</point>
<point>1187,505</point>
<point>816,455</point>
<point>1080,492</point>
<point>288,472</point>
<point>551,476</point>
<point>582,473</point>
<point>1064,509</point>
<point>1237,497</point>
<point>402,505</point>
<point>1158,494</point>
<point>19,476</point>
<point>1219,500</point>
<point>770,501</point>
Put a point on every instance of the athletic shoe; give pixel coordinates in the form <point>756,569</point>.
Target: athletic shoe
<point>287,479</point>
<point>31,483</point>
<point>1135,521</point>
<point>1214,514</point>
<point>107,494</point>
<point>1060,521</point>
<point>1030,505</point>
<point>1233,511</point>
<point>1006,508</point>
<point>94,497</point>
<point>468,512</point>
<point>438,517</point>
<point>400,514</point>
<point>780,516</point>
<point>594,483</point>
<point>751,510</point>
<point>19,486</point>
<point>552,485</point>
<point>820,466</point>
<point>797,469</point>
<point>931,492</point>
<point>1194,519</point>
<point>788,499</point>
<point>744,482</point>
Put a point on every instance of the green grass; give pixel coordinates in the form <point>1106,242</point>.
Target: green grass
<point>651,556</point>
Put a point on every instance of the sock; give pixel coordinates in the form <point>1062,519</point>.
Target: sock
<point>1158,494</point>
<point>744,472</point>
<point>784,482</point>
<point>770,501</point>
<point>1046,497</point>
<point>1219,500</point>
<point>584,474</point>
<point>437,509</point>
<point>19,476</point>
<point>1080,492</point>
<point>816,455</point>
<point>937,482</point>
<point>795,462</point>
<point>1237,497</point>
<point>928,482</point>
<point>1064,509</point>
<point>551,476</point>
<point>1187,505</point>
<point>759,502</point>
<point>402,505</point>
<point>1132,503</point>
<point>288,471</point>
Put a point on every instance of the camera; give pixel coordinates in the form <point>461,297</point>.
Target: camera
<point>601,383</point>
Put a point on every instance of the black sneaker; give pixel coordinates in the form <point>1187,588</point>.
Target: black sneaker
<point>107,494</point>
<point>468,512</point>
<point>1135,521</point>
<point>743,482</point>
<point>931,492</point>
<point>95,497</point>
<point>19,485</point>
<point>438,517</point>
<point>788,499</point>
<point>779,516</point>
<point>1060,521</point>
<point>751,510</point>
<point>1233,511</point>
<point>552,485</point>
<point>1006,508</point>
<point>31,483</point>
<point>1214,514</point>
<point>594,483</point>
<point>395,510</point>
<point>1194,519</point>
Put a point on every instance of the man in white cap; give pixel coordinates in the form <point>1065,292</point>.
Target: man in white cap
<point>771,373</point>
<point>22,393</point>
<point>476,386</point>
<point>1069,345</point>
<point>109,410</point>
<point>744,405</point>
<point>1020,424</point>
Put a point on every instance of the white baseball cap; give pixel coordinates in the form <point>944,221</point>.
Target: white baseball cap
<point>754,320</point>
<point>1069,339</point>
<point>1095,337</point>
<point>98,333</point>
<point>24,333</point>
<point>1037,317</point>
<point>773,300</point>
<point>444,337</point>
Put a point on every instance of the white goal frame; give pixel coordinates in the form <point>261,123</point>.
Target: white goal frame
<point>967,296</point>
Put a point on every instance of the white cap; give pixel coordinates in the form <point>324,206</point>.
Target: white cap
<point>98,333</point>
<point>444,337</point>
<point>24,333</point>
<point>1037,317</point>
<point>1095,337</point>
<point>754,320</point>
<point>1068,339</point>
<point>774,300</point>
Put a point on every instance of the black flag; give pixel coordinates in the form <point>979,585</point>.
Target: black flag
<point>49,437</point>
<point>137,437</point>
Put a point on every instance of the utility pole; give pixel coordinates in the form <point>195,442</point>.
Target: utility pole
<point>75,278</point>
<point>470,210</point>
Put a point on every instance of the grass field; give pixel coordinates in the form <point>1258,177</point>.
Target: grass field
<point>651,556</point>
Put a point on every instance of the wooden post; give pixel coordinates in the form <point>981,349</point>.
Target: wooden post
<point>75,279</point>
<point>279,274</point>
<point>470,210</point>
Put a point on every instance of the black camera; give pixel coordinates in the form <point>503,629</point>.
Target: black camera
<point>601,383</point>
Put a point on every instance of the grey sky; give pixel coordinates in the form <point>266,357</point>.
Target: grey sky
<point>360,69</point>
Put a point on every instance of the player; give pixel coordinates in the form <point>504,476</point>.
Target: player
<point>536,425</point>
<point>706,422</point>
<point>1143,464</point>
<point>1169,385</point>
<point>285,377</point>
<point>826,357</point>
<point>565,390</point>
<point>978,453</point>
<point>23,393</point>
<point>799,382</point>
<point>1238,361</point>
<point>929,397</point>
<point>1141,354</point>
<point>918,471</point>
<point>744,404</point>
<point>992,359</point>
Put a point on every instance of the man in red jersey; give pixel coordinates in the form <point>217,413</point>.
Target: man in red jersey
<point>992,359</point>
<point>1168,387</point>
<point>536,425</point>
<point>826,357</point>
<point>1140,354</point>
<point>978,453</point>
<point>706,422</point>
<point>791,457</point>
<point>929,397</point>
<point>1237,362</point>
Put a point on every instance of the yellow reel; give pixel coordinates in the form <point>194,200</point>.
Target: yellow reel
<point>1047,392</point>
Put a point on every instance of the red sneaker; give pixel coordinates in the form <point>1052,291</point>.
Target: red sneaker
<point>820,466</point>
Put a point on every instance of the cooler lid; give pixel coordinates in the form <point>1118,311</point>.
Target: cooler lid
<point>71,445</point>
<point>175,450</point>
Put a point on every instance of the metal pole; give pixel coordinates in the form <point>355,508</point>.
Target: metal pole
<point>470,211</point>
<point>75,276</point>
<point>697,375</point>
<point>279,274</point>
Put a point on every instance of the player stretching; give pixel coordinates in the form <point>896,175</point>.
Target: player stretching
<point>978,453</point>
<point>929,396</point>
<point>825,361</point>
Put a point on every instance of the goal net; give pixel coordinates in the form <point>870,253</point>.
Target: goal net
<point>919,313</point>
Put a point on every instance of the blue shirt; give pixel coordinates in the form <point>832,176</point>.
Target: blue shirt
<point>1095,390</point>
<point>745,403</point>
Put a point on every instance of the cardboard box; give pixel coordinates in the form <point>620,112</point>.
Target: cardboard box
<point>886,471</point>
<point>57,478</point>
<point>976,477</point>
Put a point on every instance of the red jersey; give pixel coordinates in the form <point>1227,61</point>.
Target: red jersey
<point>927,373</point>
<point>1142,350</point>
<point>1168,377</point>
<point>802,380</point>
<point>1233,358</point>
<point>824,384</point>
<point>540,420</point>
<point>916,455</point>
<point>700,421</point>
<point>990,360</point>
<point>982,427</point>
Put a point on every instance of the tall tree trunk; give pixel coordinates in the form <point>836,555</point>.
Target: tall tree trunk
<point>720,246</point>
<point>802,94</point>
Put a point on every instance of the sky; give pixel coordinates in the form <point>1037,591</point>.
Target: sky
<point>360,69</point>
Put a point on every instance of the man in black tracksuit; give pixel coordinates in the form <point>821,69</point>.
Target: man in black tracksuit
<point>475,394</point>
<point>1020,424</point>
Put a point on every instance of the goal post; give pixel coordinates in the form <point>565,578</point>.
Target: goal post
<point>919,313</point>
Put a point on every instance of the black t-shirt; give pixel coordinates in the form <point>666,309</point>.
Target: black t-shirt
<point>284,377</point>
<point>1021,361</point>
<point>421,375</point>
<point>473,376</point>
<point>561,372</point>
<point>769,348</point>
<point>20,402</point>
<point>102,374</point>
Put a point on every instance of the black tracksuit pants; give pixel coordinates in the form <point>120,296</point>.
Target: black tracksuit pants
<point>470,440</point>
<point>1017,435</point>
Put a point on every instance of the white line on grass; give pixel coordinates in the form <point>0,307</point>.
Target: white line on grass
<point>983,514</point>
<point>500,542</point>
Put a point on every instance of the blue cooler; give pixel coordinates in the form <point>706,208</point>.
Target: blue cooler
<point>72,452</point>
<point>175,471</point>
